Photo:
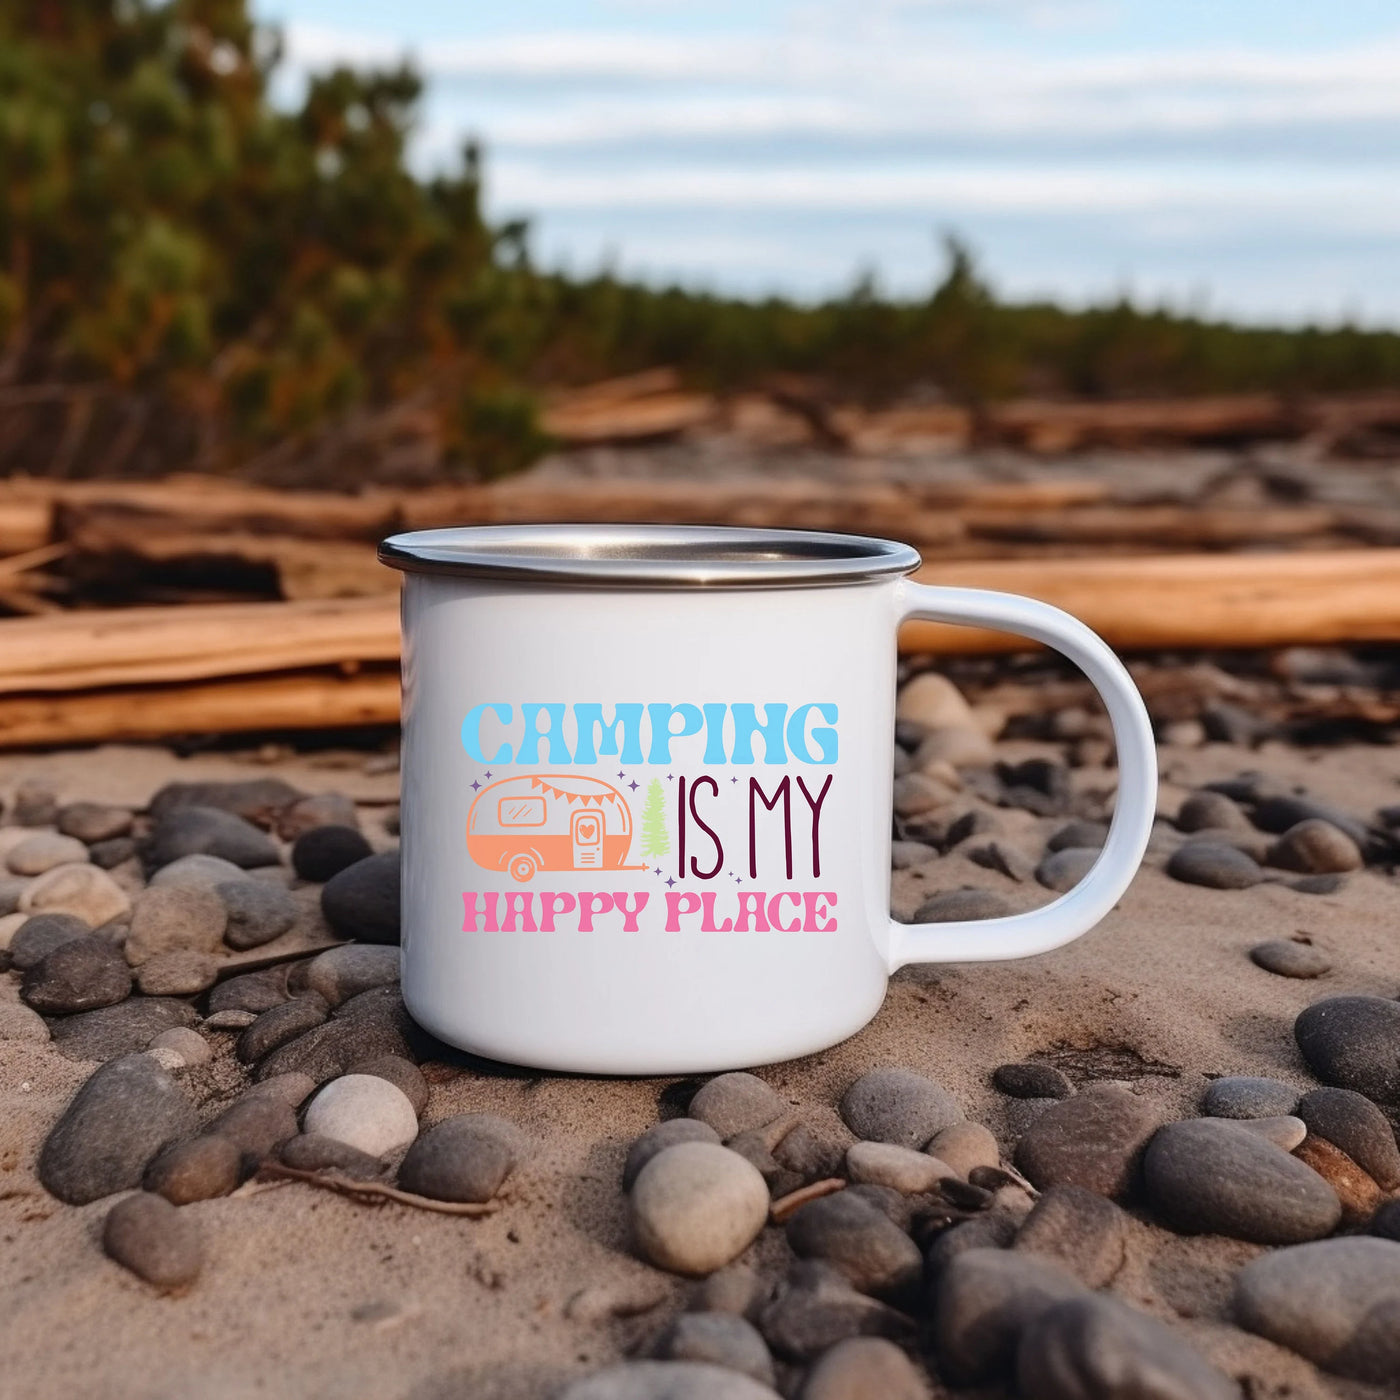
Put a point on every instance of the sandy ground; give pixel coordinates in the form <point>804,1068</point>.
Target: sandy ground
<point>305,1294</point>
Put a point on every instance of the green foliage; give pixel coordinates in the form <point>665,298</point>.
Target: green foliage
<point>220,281</point>
<point>656,840</point>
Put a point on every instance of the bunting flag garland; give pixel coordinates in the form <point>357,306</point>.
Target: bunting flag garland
<point>593,798</point>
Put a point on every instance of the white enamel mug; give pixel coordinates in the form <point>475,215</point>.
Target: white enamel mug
<point>647,779</point>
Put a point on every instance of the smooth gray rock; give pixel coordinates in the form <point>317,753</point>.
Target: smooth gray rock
<point>122,1029</point>
<point>257,912</point>
<point>93,822</point>
<point>174,916</point>
<point>1005,859</point>
<point>325,851</point>
<point>126,1113</point>
<point>1212,1176</point>
<point>719,1339</point>
<point>1285,958</point>
<point>1062,870</point>
<point>1094,1140</point>
<point>257,800</point>
<point>463,1158</point>
<point>1095,1348</point>
<point>1211,811</point>
<point>43,851</point>
<point>12,888</point>
<point>1078,835</point>
<point>815,1307</point>
<point>735,1289</point>
<point>81,974</point>
<point>341,973</point>
<point>39,935</point>
<point>362,901</point>
<point>320,809</point>
<point>1350,1121</point>
<point>905,855</point>
<point>1280,812</point>
<point>1080,1230</point>
<point>179,972</point>
<point>107,855</point>
<point>257,1125</point>
<point>953,906</point>
<point>1283,1131</point>
<point>202,830</point>
<point>1248,1096</point>
<point>403,1074</point>
<point>189,1045</point>
<point>82,890</point>
<point>197,1169</point>
<point>371,1024</point>
<point>667,1380</point>
<point>658,1138</point>
<point>1029,1079</point>
<point>290,1089</point>
<point>899,1106</point>
<point>157,1242</point>
<point>1216,866</point>
<point>1353,1042</point>
<point>363,1111</point>
<point>309,1152</point>
<point>207,872</point>
<point>1336,1302</point>
<point>852,1235</point>
<point>864,1368</point>
<point>1315,847</point>
<point>281,1024</point>
<point>252,991</point>
<point>986,1299</point>
<point>735,1103</point>
<point>992,1229</point>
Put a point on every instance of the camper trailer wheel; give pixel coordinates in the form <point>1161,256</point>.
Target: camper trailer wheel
<point>522,867</point>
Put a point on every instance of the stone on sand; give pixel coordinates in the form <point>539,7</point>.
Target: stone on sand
<point>899,1106</point>
<point>155,1240</point>
<point>365,1112</point>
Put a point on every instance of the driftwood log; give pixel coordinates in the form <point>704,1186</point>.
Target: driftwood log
<point>148,673</point>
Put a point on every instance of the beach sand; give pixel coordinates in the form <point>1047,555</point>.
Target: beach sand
<point>310,1295</point>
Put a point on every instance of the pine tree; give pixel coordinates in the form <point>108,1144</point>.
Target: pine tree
<point>656,840</point>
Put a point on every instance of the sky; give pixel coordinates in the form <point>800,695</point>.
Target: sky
<point>1231,157</point>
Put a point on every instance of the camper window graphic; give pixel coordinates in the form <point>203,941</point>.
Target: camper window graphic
<point>549,821</point>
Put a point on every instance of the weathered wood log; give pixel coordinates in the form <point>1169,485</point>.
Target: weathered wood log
<point>1180,526</point>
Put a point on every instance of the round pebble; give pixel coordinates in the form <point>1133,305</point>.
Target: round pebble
<point>905,855</point>
<point>198,830</point>
<point>1064,869</point>
<point>1324,1301</point>
<point>900,1168</point>
<point>257,1125</point>
<point>126,1112</point>
<point>962,1147</point>
<point>1353,1123</point>
<point>1080,1230</point>
<point>1353,1042</point>
<point>256,912</point>
<point>1286,958</point>
<point>1078,835</point>
<point>365,1112</point>
<point>195,1170</point>
<point>1211,1176</point>
<point>40,934</point>
<point>43,851</point>
<point>1314,847</point>
<point>320,809</point>
<point>697,1206</point>
<point>253,991</point>
<point>280,1025</point>
<point>341,973</point>
<point>18,1022</point>
<point>122,1029</point>
<point>82,890</point>
<point>720,1339</point>
<point>1031,1080</point>
<point>864,1368</point>
<point>735,1103</point>
<point>1095,1348</point>
<point>92,822</point>
<point>362,901</point>
<point>1357,1191</point>
<point>856,1237</point>
<point>156,1241</point>
<point>189,1045</point>
<point>254,799</point>
<point>179,916</point>
<point>917,793</point>
<point>403,1074</point>
<point>208,872</point>
<point>962,745</point>
<point>11,888</point>
<point>1248,1096</point>
<point>1095,1140</point>
<point>36,803</point>
<point>325,851</point>
<point>1215,866</point>
<point>658,1138</point>
<point>1283,1130</point>
<point>1211,811</point>
<point>932,701</point>
<point>899,1106</point>
<point>309,1152</point>
<point>667,1380</point>
<point>177,972</point>
<point>107,855</point>
<point>290,1089</point>
<point>955,906</point>
<point>468,1158</point>
<point>78,975</point>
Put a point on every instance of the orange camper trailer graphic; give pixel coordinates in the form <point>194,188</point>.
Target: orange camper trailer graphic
<point>549,822</point>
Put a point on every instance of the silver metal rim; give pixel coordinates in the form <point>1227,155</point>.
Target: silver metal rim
<point>649,556</point>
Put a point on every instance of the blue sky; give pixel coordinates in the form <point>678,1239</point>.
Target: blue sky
<point>1236,156</point>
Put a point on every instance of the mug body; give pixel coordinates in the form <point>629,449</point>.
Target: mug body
<point>645,830</point>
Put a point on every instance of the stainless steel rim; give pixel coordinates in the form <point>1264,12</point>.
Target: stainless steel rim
<point>649,556</point>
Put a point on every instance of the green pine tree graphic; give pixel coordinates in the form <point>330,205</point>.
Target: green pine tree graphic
<point>656,840</point>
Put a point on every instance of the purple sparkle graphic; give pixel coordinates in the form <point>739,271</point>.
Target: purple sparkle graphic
<point>669,882</point>
<point>633,785</point>
<point>475,785</point>
<point>657,871</point>
<point>733,780</point>
<point>488,776</point>
<point>622,775</point>
<point>669,776</point>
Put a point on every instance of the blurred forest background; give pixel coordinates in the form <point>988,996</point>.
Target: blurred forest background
<point>193,278</point>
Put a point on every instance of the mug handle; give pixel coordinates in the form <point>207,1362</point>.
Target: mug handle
<point>1074,913</point>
